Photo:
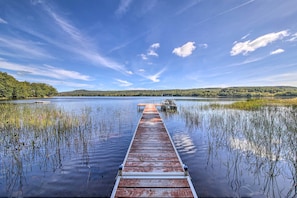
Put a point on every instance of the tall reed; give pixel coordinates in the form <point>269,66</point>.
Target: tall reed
<point>262,139</point>
<point>45,135</point>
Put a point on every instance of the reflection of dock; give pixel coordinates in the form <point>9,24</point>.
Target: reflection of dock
<point>152,166</point>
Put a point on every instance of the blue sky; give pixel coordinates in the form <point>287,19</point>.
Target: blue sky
<point>149,44</point>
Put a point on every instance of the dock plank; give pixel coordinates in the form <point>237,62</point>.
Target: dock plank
<point>152,166</point>
<point>153,183</point>
<point>154,192</point>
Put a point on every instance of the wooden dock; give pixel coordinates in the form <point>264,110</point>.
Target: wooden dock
<point>152,166</point>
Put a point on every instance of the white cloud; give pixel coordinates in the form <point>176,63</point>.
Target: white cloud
<point>151,51</point>
<point>129,72</point>
<point>185,50</point>
<point>123,83</point>
<point>58,73</point>
<point>123,7</point>
<point>46,71</point>
<point>155,77</point>
<point>143,56</point>
<point>141,70</point>
<point>278,51</point>
<point>2,21</point>
<point>262,41</point>
<point>155,45</point>
<point>293,37</point>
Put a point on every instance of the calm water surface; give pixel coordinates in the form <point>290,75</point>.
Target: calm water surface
<point>229,153</point>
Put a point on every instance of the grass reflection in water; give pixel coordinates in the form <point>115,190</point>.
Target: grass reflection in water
<point>38,136</point>
<point>259,143</point>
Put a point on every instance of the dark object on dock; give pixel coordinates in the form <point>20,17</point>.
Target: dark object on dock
<point>168,105</point>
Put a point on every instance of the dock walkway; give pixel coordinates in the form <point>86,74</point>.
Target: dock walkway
<point>152,166</point>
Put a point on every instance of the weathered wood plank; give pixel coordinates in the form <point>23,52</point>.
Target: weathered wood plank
<point>153,183</point>
<point>152,167</point>
<point>143,157</point>
<point>154,192</point>
<point>150,144</point>
<point>152,147</point>
<point>153,163</point>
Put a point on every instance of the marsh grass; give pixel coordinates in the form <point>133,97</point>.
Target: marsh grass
<point>262,141</point>
<point>46,135</point>
<point>256,104</point>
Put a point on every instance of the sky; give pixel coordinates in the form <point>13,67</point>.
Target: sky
<point>149,44</point>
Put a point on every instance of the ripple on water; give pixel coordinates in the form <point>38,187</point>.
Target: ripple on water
<point>184,143</point>
<point>88,173</point>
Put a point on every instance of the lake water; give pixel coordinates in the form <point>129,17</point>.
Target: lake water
<point>230,153</point>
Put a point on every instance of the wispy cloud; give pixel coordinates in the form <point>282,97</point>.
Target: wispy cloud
<point>58,83</point>
<point>74,41</point>
<point>203,45</point>
<point>277,79</point>
<point>226,11</point>
<point>2,21</point>
<point>156,77</point>
<point>22,48</point>
<point>245,36</point>
<point>187,7</point>
<point>248,61</point>
<point>278,51</point>
<point>235,8</point>
<point>123,83</point>
<point>262,41</point>
<point>185,50</point>
<point>58,73</point>
<point>151,51</point>
<point>293,37</point>
<point>123,7</point>
<point>46,71</point>
<point>143,56</point>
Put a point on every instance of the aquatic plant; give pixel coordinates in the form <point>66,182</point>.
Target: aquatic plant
<point>262,141</point>
<point>45,135</point>
<point>256,104</point>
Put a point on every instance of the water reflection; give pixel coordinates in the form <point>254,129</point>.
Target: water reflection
<point>257,149</point>
<point>62,142</point>
<point>184,143</point>
<point>249,147</point>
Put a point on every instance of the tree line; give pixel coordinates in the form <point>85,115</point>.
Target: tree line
<point>235,92</point>
<point>10,88</point>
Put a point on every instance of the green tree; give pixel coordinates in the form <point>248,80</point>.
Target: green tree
<point>12,89</point>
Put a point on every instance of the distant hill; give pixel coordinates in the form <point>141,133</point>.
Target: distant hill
<point>261,91</point>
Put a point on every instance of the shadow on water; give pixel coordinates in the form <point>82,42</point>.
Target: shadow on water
<point>238,153</point>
